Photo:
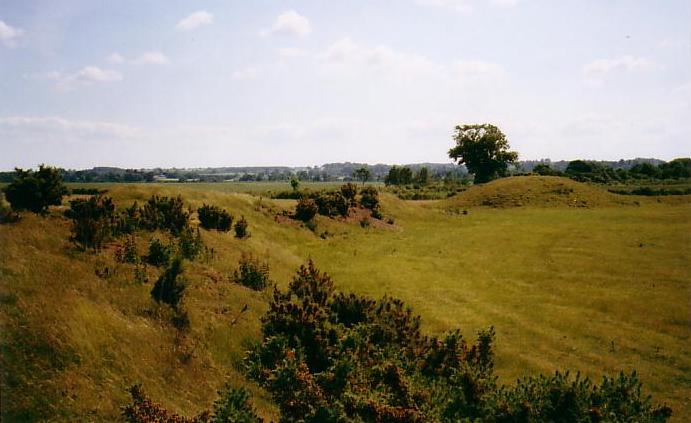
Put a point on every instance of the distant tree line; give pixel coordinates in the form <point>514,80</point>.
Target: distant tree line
<point>582,170</point>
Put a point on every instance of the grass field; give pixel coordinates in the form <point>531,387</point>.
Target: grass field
<point>600,286</point>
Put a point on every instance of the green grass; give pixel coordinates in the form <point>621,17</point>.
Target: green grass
<point>598,289</point>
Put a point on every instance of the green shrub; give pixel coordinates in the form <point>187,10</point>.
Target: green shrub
<point>369,199</point>
<point>190,244</point>
<point>349,191</point>
<point>170,286</point>
<point>332,204</point>
<point>143,410</point>
<point>159,254</point>
<point>35,191</point>
<point>233,406</point>
<point>93,221</point>
<point>306,209</point>
<point>241,228</point>
<point>252,273</point>
<point>212,217</point>
<point>165,213</point>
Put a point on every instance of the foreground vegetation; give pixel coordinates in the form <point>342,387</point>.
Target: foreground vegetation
<point>601,288</point>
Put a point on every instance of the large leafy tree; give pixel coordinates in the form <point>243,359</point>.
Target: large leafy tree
<point>483,149</point>
<point>35,191</point>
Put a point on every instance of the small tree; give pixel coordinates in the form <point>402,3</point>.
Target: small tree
<point>93,221</point>
<point>483,149</point>
<point>252,273</point>
<point>363,174</point>
<point>35,191</point>
<point>212,217</point>
<point>294,183</point>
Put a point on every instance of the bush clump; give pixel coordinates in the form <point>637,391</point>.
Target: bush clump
<point>332,204</point>
<point>241,228</point>
<point>93,221</point>
<point>213,217</point>
<point>306,209</point>
<point>190,244</point>
<point>35,191</point>
<point>369,199</point>
<point>127,252</point>
<point>159,254</point>
<point>165,213</point>
<point>6,213</point>
<point>252,273</point>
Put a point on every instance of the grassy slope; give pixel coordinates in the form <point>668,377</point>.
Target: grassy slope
<point>599,289</point>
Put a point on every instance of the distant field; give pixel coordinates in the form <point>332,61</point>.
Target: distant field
<point>601,288</point>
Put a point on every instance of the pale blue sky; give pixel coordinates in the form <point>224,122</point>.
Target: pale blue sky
<point>213,83</point>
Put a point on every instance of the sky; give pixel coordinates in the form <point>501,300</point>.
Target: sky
<point>166,83</point>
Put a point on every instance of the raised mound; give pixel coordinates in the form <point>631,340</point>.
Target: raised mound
<point>536,191</point>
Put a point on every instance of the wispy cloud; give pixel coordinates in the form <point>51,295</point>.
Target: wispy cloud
<point>88,75</point>
<point>9,34</point>
<point>195,20</point>
<point>147,58</point>
<point>597,70</point>
<point>289,23</point>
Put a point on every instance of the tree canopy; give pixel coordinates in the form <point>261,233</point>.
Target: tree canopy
<point>483,149</point>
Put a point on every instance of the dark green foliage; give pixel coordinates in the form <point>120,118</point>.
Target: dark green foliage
<point>35,191</point>
<point>128,220</point>
<point>561,398</point>
<point>306,209</point>
<point>190,244</point>
<point>233,406</point>
<point>159,254</point>
<point>252,273</point>
<point>399,176</point>
<point>212,217</point>
<point>93,221</point>
<point>422,177</point>
<point>581,170</point>
<point>241,228</point>
<point>165,213</point>
<point>170,286</point>
<point>483,149</point>
<point>294,183</point>
<point>369,199</point>
<point>676,169</point>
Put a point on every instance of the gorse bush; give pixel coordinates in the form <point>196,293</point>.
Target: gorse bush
<point>170,286</point>
<point>349,192</point>
<point>306,209</point>
<point>369,199</point>
<point>212,217</point>
<point>190,244</point>
<point>93,221</point>
<point>159,254</point>
<point>252,273</point>
<point>165,213</point>
<point>35,191</point>
<point>232,406</point>
<point>332,204</point>
<point>241,228</point>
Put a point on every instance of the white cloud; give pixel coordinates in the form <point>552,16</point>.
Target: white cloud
<point>505,3</point>
<point>246,73</point>
<point>290,23</point>
<point>115,58</point>
<point>599,69</point>
<point>152,58</point>
<point>86,76</point>
<point>195,20</point>
<point>9,34</point>
<point>462,6</point>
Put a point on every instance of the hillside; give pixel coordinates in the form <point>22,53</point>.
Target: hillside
<point>537,191</point>
<point>601,290</point>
